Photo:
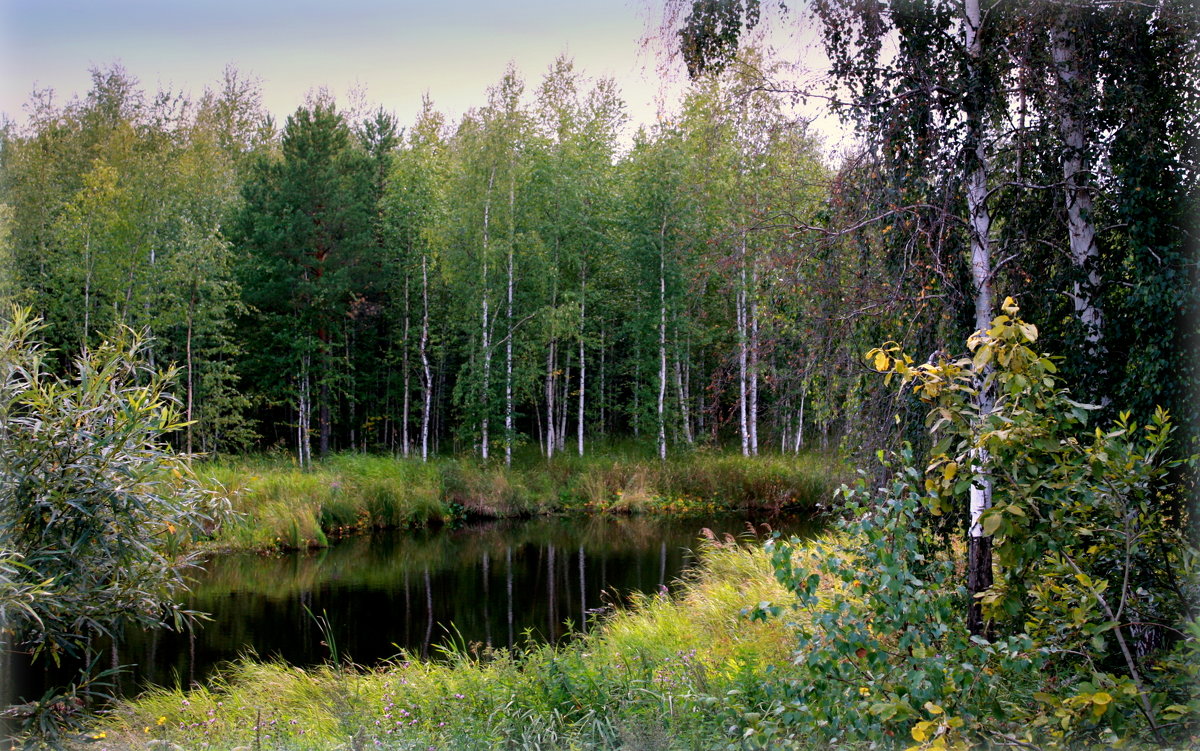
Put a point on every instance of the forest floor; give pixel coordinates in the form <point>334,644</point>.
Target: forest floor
<point>282,506</point>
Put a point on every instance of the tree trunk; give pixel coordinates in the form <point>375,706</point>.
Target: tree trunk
<point>191,389</point>
<point>800,420</point>
<point>508,342</point>
<point>685,416</point>
<point>752,409</point>
<point>551,388</point>
<point>1072,99</point>
<point>979,548</point>
<point>582,361</point>
<point>404,437</point>
<point>662,342</point>
<point>427,380</point>
<point>603,394</point>
<point>743,411</point>
<point>563,394</point>
<point>325,428</point>
<point>485,326</point>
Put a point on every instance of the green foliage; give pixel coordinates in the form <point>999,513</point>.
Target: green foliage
<point>1091,596</point>
<point>96,505</point>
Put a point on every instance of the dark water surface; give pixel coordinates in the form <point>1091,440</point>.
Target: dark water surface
<point>499,583</point>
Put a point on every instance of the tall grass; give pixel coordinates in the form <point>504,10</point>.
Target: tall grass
<point>670,673</point>
<point>281,505</point>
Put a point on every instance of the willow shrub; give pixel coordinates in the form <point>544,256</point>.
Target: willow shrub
<point>1091,639</point>
<point>94,504</point>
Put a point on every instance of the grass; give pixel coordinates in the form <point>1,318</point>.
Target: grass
<point>282,506</point>
<point>669,673</point>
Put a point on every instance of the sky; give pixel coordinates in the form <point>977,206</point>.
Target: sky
<point>391,52</point>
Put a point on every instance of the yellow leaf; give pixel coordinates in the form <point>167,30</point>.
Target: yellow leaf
<point>1101,697</point>
<point>949,471</point>
<point>881,361</point>
<point>933,708</point>
<point>983,356</point>
<point>1009,306</point>
<point>920,731</point>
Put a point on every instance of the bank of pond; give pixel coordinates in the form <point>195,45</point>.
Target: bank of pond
<point>606,603</point>
<point>282,506</point>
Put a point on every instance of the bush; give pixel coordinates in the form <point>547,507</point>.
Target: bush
<point>92,500</point>
<point>1090,631</point>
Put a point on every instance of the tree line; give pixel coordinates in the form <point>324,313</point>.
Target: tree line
<point>535,275</point>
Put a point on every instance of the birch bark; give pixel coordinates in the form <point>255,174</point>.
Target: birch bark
<point>979,547</point>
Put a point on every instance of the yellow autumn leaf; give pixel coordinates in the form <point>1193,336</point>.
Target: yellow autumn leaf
<point>920,731</point>
<point>949,471</point>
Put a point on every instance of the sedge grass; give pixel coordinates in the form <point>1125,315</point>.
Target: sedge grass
<point>284,506</point>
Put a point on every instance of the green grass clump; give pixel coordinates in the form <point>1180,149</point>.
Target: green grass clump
<point>669,673</point>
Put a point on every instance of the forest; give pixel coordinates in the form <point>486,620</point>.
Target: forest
<point>535,275</point>
<point>544,278</point>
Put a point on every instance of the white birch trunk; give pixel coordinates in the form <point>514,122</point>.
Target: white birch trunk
<point>508,344</point>
<point>681,394</point>
<point>563,394</point>
<point>304,422</point>
<point>485,324</point>
<point>743,416</point>
<point>1081,229</point>
<point>662,342</point>
<point>800,422</point>
<point>427,381</point>
<point>191,389</point>
<point>979,563</point>
<point>551,388</point>
<point>404,437</point>
<point>582,360</point>
<point>752,409</point>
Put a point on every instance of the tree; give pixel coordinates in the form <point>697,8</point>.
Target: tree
<point>304,230</point>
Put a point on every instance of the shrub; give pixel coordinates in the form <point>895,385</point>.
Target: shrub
<point>1089,540</point>
<point>92,499</point>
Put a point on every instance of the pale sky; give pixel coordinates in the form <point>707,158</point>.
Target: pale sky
<point>393,50</point>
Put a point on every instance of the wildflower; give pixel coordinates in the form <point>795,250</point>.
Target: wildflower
<point>863,690</point>
<point>161,720</point>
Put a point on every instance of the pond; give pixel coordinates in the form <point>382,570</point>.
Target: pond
<point>498,583</point>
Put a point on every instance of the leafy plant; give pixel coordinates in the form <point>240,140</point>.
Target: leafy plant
<point>92,499</point>
<point>1090,596</point>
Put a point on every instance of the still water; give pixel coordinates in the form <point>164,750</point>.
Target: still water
<point>499,584</point>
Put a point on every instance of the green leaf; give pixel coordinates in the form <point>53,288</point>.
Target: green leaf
<point>991,522</point>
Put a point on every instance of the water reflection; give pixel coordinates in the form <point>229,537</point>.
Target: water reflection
<point>498,584</point>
